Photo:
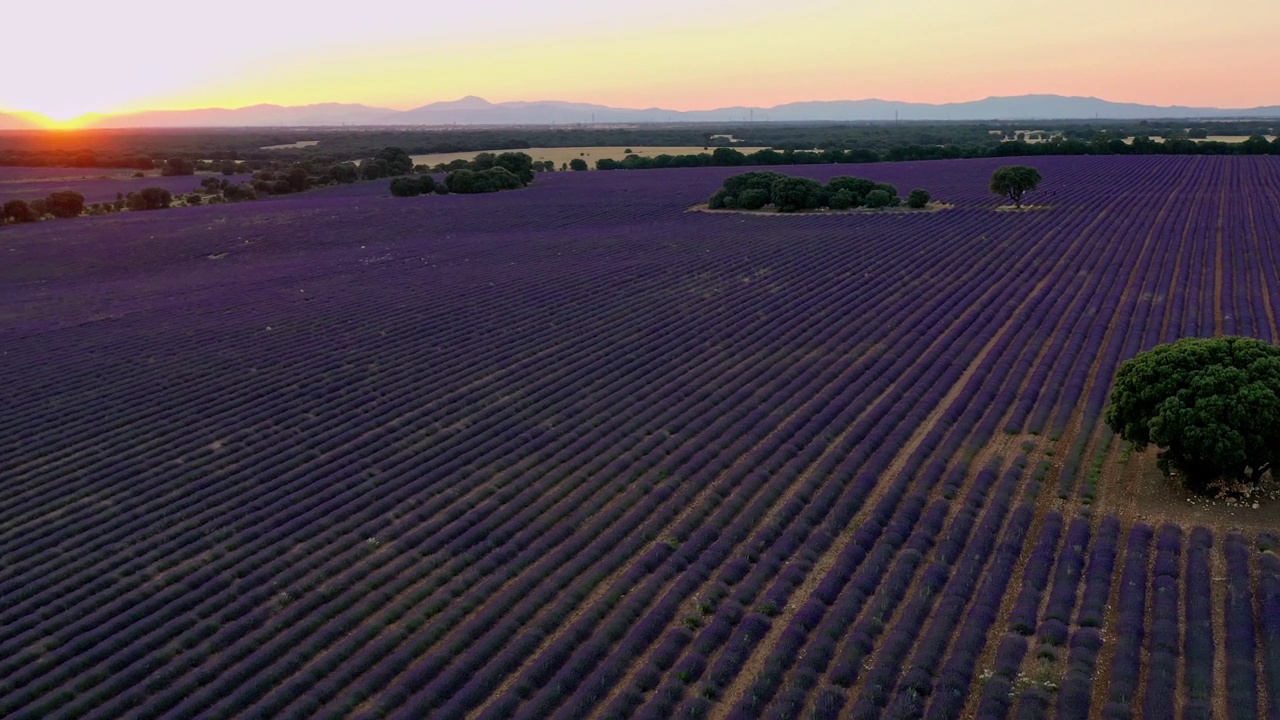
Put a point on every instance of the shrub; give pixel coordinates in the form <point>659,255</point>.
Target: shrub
<point>918,199</point>
<point>426,184</point>
<point>578,164</point>
<point>717,201</point>
<point>194,199</point>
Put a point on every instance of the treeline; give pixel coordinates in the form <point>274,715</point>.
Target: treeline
<point>65,204</point>
<point>211,149</point>
<point>788,194</point>
<point>1103,145</point>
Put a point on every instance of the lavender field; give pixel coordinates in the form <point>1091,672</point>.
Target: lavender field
<point>574,451</point>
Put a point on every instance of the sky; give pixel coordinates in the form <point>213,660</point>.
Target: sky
<point>675,54</point>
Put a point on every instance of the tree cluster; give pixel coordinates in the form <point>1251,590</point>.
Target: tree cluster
<point>60,204</point>
<point>756,190</point>
<point>486,173</point>
<point>1212,405</point>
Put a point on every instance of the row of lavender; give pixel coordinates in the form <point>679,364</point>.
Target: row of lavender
<point>420,493</point>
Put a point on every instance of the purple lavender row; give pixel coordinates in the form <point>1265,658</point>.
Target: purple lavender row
<point>1129,631</point>
<point>1075,695</point>
<point>870,553</point>
<point>1062,594</point>
<point>1098,576</point>
<point>995,695</point>
<point>952,687</point>
<point>1198,650</point>
<point>1268,598</point>
<point>1161,685</point>
<point>1036,576</point>
<point>1241,634</point>
<point>972,553</point>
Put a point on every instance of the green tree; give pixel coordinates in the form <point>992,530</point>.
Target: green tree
<point>178,166</point>
<point>578,164</point>
<point>791,194</point>
<point>1211,404</point>
<point>19,211</point>
<point>1014,181</point>
<point>65,204</point>
<point>397,161</point>
<point>918,199</point>
<point>405,187</point>
<point>517,163</point>
<point>857,187</point>
<point>841,199</point>
<point>753,199</point>
<point>878,198</point>
<point>152,198</point>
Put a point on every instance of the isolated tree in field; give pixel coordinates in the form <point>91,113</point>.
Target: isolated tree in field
<point>1211,404</point>
<point>918,199</point>
<point>578,164</point>
<point>1013,181</point>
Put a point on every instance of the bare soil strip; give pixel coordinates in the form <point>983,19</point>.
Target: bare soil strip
<point>1218,583</point>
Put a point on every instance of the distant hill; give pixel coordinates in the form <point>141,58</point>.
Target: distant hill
<point>478,111</point>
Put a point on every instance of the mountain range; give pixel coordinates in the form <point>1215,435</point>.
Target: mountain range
<point>478,111</point>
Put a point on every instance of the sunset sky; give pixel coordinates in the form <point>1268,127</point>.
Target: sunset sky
<point>677,54</point>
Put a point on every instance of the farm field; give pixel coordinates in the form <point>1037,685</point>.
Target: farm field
<point>575,451</point>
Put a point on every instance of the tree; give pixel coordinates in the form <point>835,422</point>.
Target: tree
<point>791,194</point>
<point>1211,404</point>
<point>482,181</point>
<point>19,211</point>
<point>152,198</point>
<point>857,187</point>
<point>918,199</point>
<point>878,198</point>
<point>841,200</point>
<point>1013,181</point>
<point>405,187</point>
<point>578,164</point>
<point>753,199</point>
<point>65,204</point>
<point>178,166</point>
<point>396,159</point>
<point>517,163</point>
